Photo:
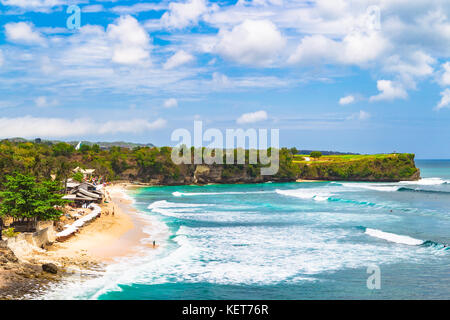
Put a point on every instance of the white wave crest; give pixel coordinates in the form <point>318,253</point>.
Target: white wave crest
<point>167,204</point>
<point>306,194</point>
<point>187,194</point>
<point>373,186</point>
<point>392,237</point>
<point>426,181</point>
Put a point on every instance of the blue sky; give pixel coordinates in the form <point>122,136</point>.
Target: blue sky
<point>363,76</point>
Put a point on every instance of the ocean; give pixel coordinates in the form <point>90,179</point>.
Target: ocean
<point>309,240</point>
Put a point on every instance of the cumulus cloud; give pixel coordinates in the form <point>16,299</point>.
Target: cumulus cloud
<point>132,42</point>
<point>29,127</point>
<point>356,48</point>
<point>23,32</point>
<point>389,90</point>
<point>181,15</point>
<point>254,42</point>
<point>445,100</point>
<point>252,117</point>
<point>346,100</point>
<point>171,103</point>
<point>179,58</point>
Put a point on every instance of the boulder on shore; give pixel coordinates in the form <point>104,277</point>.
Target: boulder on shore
<point>50,268</point>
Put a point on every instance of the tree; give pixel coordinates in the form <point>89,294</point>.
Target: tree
<point>315,154</point>
<point>25,199</point>
<point>84,148</point>
<point>63,149</point>
<point>96,148</point>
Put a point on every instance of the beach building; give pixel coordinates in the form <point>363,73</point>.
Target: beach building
<point>83,193</point>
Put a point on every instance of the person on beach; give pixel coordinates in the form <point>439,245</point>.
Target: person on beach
<point>154,243</point>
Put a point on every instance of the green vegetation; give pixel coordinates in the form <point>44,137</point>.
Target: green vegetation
<point>10,233</point>
<point>315,154</point>
<point>378,167</point>
<point>152,164</point>
<point>25,199</point>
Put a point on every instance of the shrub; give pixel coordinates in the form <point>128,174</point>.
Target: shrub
<point>316,154</point>
<point>10,233</point>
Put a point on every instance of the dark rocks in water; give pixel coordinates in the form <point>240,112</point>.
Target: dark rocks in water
<point>50,268</point>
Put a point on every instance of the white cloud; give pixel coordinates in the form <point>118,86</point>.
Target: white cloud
<point>410,67</point>
<point>346,100</point>
<point>355,48</point>
<point>132,42</point>
<point>220,80</point>
<point>29,127</point>
<point>93,8</point>
<point>445,100</point>
<point>252,117</point>
<point>139,7</point>
<point>130,126</point>
<point>254,42</point>
<point>389,90</point>
<point>361,115</point>
<point>445,74</point>
<point>23,32</point>
<point>34,5</point>
<point>43,101</point>
<point>181,15</point>
<point>315,48</point>
<point>171,103</point>
<point>2,59</point>
<point>179,58</point>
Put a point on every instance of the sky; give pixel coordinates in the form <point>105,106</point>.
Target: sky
<point>366,76</point>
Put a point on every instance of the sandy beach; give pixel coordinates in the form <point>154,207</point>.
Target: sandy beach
<point>116,233</point>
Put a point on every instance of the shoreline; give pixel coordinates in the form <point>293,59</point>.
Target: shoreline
<point>98,244</point>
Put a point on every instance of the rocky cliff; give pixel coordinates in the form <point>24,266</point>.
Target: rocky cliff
<point>374,169</point>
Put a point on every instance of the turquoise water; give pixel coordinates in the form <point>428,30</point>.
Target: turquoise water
<point>310,240</point>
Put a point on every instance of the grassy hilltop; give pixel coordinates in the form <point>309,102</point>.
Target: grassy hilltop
<point>377,167</point>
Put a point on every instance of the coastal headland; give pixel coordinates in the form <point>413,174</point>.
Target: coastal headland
<point>154,165</point>
<point>119,229</point>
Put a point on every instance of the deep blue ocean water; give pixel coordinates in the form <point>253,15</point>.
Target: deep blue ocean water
<point>309,240</point>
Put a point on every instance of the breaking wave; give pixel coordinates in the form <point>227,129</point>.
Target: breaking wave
<point>426,182</point>
<point>187,194</point>
<point>402,239</point>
